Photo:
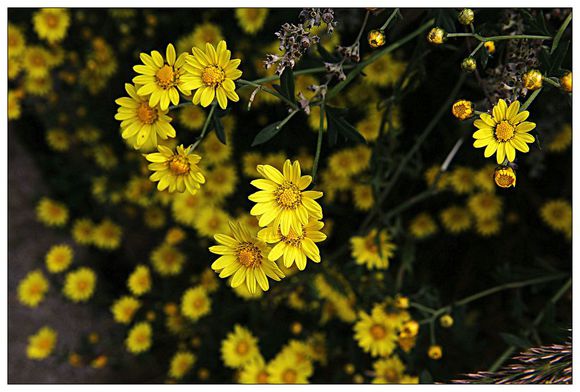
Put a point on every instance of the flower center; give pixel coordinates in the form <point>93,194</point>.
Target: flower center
<point>165,77</point>
<point>179,165</point>
<point>37,60</point>
<point>262,377</point>
<point>82,285</point>
<point>249,255</point>
<point>378,332</point>
<point>289,376</point>
<point>504,180</point>
<point>504,131</point>
<point>212,75</point>
<point>292,239</point>
<point>51,20</point>
<point>146,114</point>
<point>242,348</point>
<point>371,245</point>
<point>391,375</point>
<point>288,196</point>
<point>198,303</point>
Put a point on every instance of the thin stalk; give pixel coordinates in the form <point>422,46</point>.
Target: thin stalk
<point>560,32</point>
<point>384,26</point>
<point>362,28</point>
<point>288,117</point>
<point>318,143</point>
<point>551,82</point>
<point>205,127</point>
<point>275,93</point>
<point>498,37</point>
<point>530,99</point>
<point>476,49</point>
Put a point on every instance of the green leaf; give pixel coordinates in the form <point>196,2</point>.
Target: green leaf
<point>267,133</point>
<point>514,340</point>
<point>340,125</point>
<point>219,129</point>
<point>287,84</point>
<point>558,57</point>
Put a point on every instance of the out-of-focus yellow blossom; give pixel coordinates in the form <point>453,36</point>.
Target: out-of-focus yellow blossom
<point>16,41</point>
<point>139,281</point>
<point>435,352</point>
<point>284,369</point>
<point>80,284</point>
<point>185,207</point>
<point>36,61</point>
<point>181,363</point>
<point>41,344</point>
<point>39,86</point>
<point>239,347</point>
<point>105,157</point>
<point>422,226</point>
<point>391,371</point>
<point>176,171</point>
<point>373,250</point>
<point>124,309</point>
<point>14,67</point>
<point>58,140</point>
<point>211,221</point>
<point>456,219</point>
<point>107,235</point>
<point>221,181</point>
<point>32,289</point>
<point>99,362</point>
<point>446,321</point>
<point>434,174</point>
<point>558,215</point>
<point>374,332</point>
<point>385,71</point>
<point>51,213</point>
<point>561,140</point>
<point>191,117</point>
<point>139,338</point>
<point>175,235</point>
<point>14,108</point>
<point>487,226</point>
<point>484,205</point>
<point>51,24</point>
<point>214,151</point>
<point>208,280</point>
<point>254,372</point>
<point>59,258</point>
<point>82,231</point>
<point>154,217</point>
<point>363,197</point>
<point>167,260</point>
<point>251,20</point>
<point>566,82</point>
<point>205,33</point>
<point>462,180</point>
<point>484,178</point>
<point>195,303</point>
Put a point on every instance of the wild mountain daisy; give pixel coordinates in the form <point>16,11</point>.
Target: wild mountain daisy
<point>375,333</point>
<point>239,347</point>
<point>82,231</point>
<point>161,79</point>
<point>51,23</point>
<point>141,123</point>
<point>139,338</point>
<point>195,303</point>
<point>58,258</point>
<point>254,372</point>
<point>177,171</point>
<point>181,363</point>
<point>51,213</point>
<point>294,248</point>
<point>41,344</point>
<point>16,41</point>
<point>245,257</point>
<point>124,309</point>
<point>558,215</point>
<point>251,20</point>
<point>139,281</point>
<point>212,74</point>
<point>504,132</point>
<point>107,235</point>
<point>283,196</point>
<point>456,219</point>
<point>79,285</point>
<point>36,61</point>
<point>167,260</point>
<point>32,288</point>
<point>422,226</point>
<point>374,250</point>
<point>284,369</point>
<point>391,371</point>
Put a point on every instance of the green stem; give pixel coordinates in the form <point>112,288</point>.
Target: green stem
<point>560,32</point>
<point>275,93</point>
<point>476,49</point>
<point>498,37</point>
<point>364,24</point>
<point>384,26</point>
<point>288,117</point>
<point>318,143</point>
<point>551,82</point>
<point>530,99</point>
<point>422,308</point>
<point>205,127</point>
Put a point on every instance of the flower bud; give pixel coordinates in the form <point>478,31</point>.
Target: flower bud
<point>435,352</point>
<point>469,64</point>
<point>532,80</point>
<point>462,109</point>
<point>490,46</point>
<point>376,38</point>
<point>566,82</point>
<point>446,321</point>
<point>436,36</point>
<point>466,16</point>
<point>505,176</point>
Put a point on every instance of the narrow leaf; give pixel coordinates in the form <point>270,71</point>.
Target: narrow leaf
<point>267,133</point>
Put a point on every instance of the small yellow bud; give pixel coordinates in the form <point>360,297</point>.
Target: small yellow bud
<point>505,177</point>
<point>358,379</point>
<point>410,329</point>
<point>402,302</point>
<point>469,64</point>
<point>462,109</point>
<point>150,315</point>
<point>296,328</point>
<point>170,309</point>
<point>349,369</point>
<point>203,374</point>
<point>94,338</point>
<point>74,359</point>
<point>436,36</point>
<point>99,362</point>
<point>566,82</point>
<point>466,16</point>
<point>490,46</point>
<point>532,79</point>
<point>435,352</point>
<point>446,321</point>
<point>376,38</point>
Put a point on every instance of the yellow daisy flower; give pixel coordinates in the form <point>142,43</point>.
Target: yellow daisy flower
<point>185,207</point>
<point>561,140</point>
<point>32,288</point>
<point>51,24</point>
<point>374,333</point>
<point>181,363</point>
<point>211,221</point>
<point>82,231</point>
<point>192,117</point>
<point>206,32</point>
<point>51,213</point>
<point>504,132</point>
<point>139,338</point>
<point>41,344</point>
<point>462,180</point>
<point>167,260</point>
<point>391,371</point>
<point>487,226</point>
<point>177,171</point>
<point>16,41</point>
<point>284,369</point>
<point>221,181</point>
<point>363,197</point>
<point>14,108</point>
<point>161,79</point>
<point>422,226</point>
<point>239,347</point>
<point>251,20</point>
<point>124,309</point>
<point>214,150</point>
<point>365,250</point>
<point>456,219</point>
<point>141,124</point>
<point>294,248</point>
<point>558,215</point>
<point>36,61</point>
<point>107,235</point>
<point>59,258</point>
<point>139,281</point>
<point>254,372</point>
<point>245,257</point>
<point>212,74</point>
<point>58,140</point>
<point>195,303</point>
<point>282,197</point>
<point>484,205</point>
<point>79,285</point>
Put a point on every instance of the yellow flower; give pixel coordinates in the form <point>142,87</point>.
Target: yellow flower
<point>167,261</point>
<point>251,20</point>
<point>435,352</point>
<point>373,250</point>
<point>505,176</point>
<point>79,285</point>
<point>446,321</point>
<point>376,38</point>
<point>181,363</point>
<point>177,171</point>
<point>141,124</point>
<point>139,281</point>
<point>221,181</point>
<point>14,108</point>
<point>558,215</point>
<point>344,163</point>
<point>185,207</point>
<point>205,32</point>
<point>215,151</point>
<point>456,219</point>
<point>51,213</point>
<point>422,226</point>
<point>239,347</point>
<point>99,362</point>
<point>16,41</point>
<point>195,303</point>
<point>58,258</point>
<point>41,344</point>
<point>244,256</point>
<point>490,46</point>
<point>107,235</point>
<point>375,333</point>
<point>487,226</point>
<point>391,371</point>
<point>161,79</point>
<point>254,372</point>
<point>294,248</point>
<point>484,205</point>
<point>36,61</point>
<point>363,197</point>
<point>462,180</point>
<point>504,132</point>
<point>436,36</point>
<point>82,231</point>
<point>284,369</point>
<point>466,16</point>
<point>32,288</point>
<point>192,117</point>
<point>385,71</point>
<point>211,221</point>
<point>462,109</point>
<point>532,80</point>
<point>51,24</point>
<point>124,309</point>
<point>484,178</point>
<point>282,197</point>
<point>175,235</point>
<point>566,82</point>
<point>212,74</point>
<point>561,140</point>
<point>58,140</point>
<point>139,338</point>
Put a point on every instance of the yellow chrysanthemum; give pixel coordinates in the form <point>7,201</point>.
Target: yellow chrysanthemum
<point>139,338</point>
<point>385,71</point>
<point>484,178</point>
<point>58,140</point>
<point>487,226</point>
<point>211,221</point>
<point>484,205</point>
<point>558,215</point>
<point>59,258</point>
<point>422,226</point>
<point>251,20</point>
<point>176,171</point>
<point>254,372</point>
<point>206,32</point>
<point>185,207</point>
<point>191,117</point>
<point>107,235</point>
<point>139,281</point>
<point>51,24</point>
<point>239,347</point>
<point>391,371</point>
<point>16,41</point>
<point>456,219</point>
<point>36,61</point>
<point>373,250</point>
<point>51,213</point>
<point>41,344</point>
<point>161,79</point>
<point>462,180</point>
<point>282,197</point>
<point>82,231</point>
<point>141,124</point>
<point>561,140</point>
<point>195,303</point>
<point>32,288</point>
<point>80,284</point>
<point>375,333</point>
<point>124,309</point>
<point>14,108</point>
<point>215,151</point>
<point>221,181</point>
<point>294,248</point>
<point>284,369</point>
<point>363,197</point>
<point>245,257</point>
<point>212,74</point>
<point>504,132</point>
<point>181,363</point>
<point>167,260</point>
